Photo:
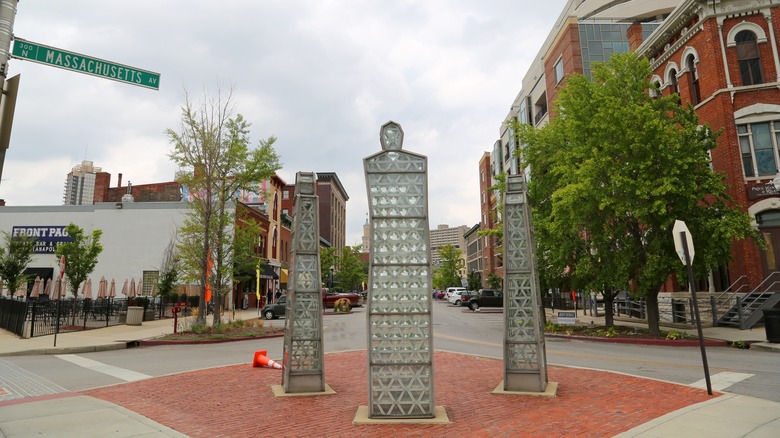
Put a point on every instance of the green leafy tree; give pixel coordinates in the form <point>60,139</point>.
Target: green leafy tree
<point>474,280</point>
<point>169,273</point>
<point>15,256</point>
<point>213,148</point>
<point>451,265</point>
<point>352,270</point>
<point>328,259</point>
<point>81,256</point>
<point>612,173</point>
<point>494,281</point>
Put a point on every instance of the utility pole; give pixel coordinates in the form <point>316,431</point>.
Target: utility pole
<point>8,98</point>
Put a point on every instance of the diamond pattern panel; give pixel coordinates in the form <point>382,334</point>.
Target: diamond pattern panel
<point>305,355</point>
<point>395,162</point>
<point>522,357</point>
<point>307,233</point>
<point>397,195</point>
<point>306,273</point>
<point>400,339</point>
<point>401,391</point>
<point>515,241</point>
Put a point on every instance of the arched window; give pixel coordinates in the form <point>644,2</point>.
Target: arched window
<point>749,58</point>
<point>693,79</point>
<point>675,85</point>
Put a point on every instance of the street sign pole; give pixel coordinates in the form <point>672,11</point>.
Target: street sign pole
<point>7,18</point>
<point>681,242</point>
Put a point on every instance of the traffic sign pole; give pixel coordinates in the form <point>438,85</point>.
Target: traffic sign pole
<point>7,17</point>
<point>686,253</point>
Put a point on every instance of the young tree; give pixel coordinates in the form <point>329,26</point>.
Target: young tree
<point>213,147</point>
<point>474,280</point>
<point>169,273</point>
<point>352,271</point>
<point>612,173</point>
<point>451,265</point>
<point>81,256</point>
<point>14,258</point>
<point>328,260</point>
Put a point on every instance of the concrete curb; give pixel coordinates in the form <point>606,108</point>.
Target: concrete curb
<point>645,341</point>
<point>153,342</point>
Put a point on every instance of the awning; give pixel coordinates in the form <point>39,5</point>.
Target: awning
<point>267,273</point>
<point>283,278</point>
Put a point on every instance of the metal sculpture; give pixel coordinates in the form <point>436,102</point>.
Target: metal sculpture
<point>400,330</point>
<point>303,350</point>
<point>525,363</point>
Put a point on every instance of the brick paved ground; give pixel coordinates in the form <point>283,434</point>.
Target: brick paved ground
<point>236,401</point>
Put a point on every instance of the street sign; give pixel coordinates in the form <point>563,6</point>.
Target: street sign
<point>89,65</point>
<point>680,227</point>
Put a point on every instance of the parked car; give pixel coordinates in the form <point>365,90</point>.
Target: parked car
<point>329,298</point>
<point>486,298</point>
<point>454,290</point>
<point>275,310</point>
<point>441,294</point>
<point>460,298</point>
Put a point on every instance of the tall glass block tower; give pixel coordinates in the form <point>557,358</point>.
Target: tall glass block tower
<point>525,363</point>
<point>303,350</point>
<point>400,330</point>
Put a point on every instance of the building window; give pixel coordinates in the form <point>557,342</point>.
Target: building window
<point>149,283</point>
<point>694,79</point>
<point>559,71</point>
<point>675,85</point>
<point>285,194</point>
<point>758,144</point>
<point>749,58</point>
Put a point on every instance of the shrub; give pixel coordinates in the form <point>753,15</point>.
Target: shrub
<point>674,335</point>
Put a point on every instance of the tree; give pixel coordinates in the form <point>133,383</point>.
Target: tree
<point>81,256</point>
<point>612,173</point>
<point>352,270</point>
<point>328,260</point>
<point>14,258</point>
<point>451,264</point>
<point>474,280</point>
<point>213,148</point>
<point>169,273</point>
<point>494,281</point>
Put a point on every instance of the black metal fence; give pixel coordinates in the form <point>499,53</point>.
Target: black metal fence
<point>45,317</point>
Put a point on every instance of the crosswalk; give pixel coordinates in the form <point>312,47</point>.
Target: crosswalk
<point>119,373</point>
<point>722,380</point>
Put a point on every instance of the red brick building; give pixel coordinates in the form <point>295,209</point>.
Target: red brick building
<point>722,58</point>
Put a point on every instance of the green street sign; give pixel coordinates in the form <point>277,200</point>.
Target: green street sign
<point>77,62</point>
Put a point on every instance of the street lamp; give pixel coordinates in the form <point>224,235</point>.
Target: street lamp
<point>332,269</point>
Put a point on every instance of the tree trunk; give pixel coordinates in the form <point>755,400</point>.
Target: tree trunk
<point>653,317</point>
<point>609,308</point>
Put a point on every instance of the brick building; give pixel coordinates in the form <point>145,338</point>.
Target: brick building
<point>722,58</point>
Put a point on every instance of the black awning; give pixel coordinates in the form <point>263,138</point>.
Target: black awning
<point>267,273</point>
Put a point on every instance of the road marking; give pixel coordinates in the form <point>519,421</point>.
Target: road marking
<point>584,355</point>
<point>722,380</point>
<point>119,373</point>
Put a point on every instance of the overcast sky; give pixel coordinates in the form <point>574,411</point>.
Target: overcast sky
<point>321,75</point>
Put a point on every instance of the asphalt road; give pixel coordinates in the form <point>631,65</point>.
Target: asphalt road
<point>746,372</point>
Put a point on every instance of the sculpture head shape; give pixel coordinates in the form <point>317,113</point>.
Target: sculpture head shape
<point>391,136</point>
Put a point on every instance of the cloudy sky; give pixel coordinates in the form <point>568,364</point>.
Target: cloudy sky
<point>320,75</point>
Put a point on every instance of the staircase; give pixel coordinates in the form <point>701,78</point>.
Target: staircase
<point>747,311</point>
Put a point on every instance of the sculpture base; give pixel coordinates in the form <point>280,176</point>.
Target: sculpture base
<point>440,417</point>
<point>278,391</point>
<point>550,391</point>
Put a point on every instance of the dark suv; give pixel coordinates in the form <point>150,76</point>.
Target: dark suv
<point>486,298</point>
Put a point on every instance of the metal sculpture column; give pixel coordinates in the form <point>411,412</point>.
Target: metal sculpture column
<point>525,363</point>
<point>400,332</point>
<point>303,351</point>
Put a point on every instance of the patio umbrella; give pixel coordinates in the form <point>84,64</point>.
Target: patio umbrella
<point>48,289</point>
<point>36,289</point>
<point>112,289</point>
<point>21,291</point>
<point>124,289</point>
<point>132,290</point>
<point>86,290</point>
<point>102,288</point>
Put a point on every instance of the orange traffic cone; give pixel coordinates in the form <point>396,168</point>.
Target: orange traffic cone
<point>260,360</point>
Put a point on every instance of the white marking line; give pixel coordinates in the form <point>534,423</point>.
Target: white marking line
<point>722,380</point>
<point>119,373</point>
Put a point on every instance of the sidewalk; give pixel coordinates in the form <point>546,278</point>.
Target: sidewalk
<point>588,403</point>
